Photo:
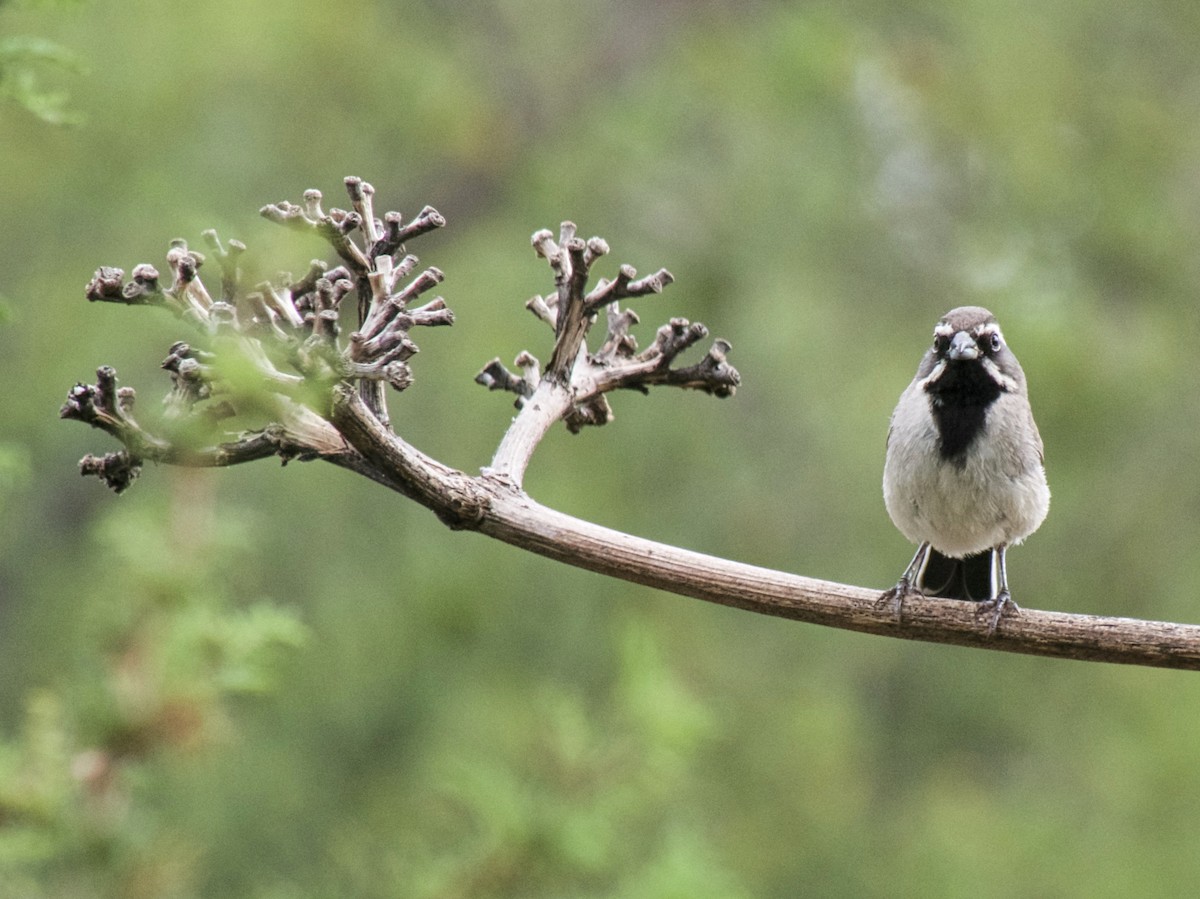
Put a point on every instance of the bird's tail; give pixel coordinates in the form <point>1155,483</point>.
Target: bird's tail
<point>969,578</point>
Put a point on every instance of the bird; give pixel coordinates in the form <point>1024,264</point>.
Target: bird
<point>964,476</point>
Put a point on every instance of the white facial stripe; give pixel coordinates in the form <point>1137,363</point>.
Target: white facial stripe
<point>1006,383</point>
<point>933,375</point>
<point>943,330</point>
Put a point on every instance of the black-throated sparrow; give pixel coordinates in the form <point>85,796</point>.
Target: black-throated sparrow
<point>963,477</point>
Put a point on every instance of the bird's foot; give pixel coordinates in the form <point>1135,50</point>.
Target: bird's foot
<point>995,608</point>
<point>894,598</point>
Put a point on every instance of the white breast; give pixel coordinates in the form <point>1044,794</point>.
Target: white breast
<point>999,496</point>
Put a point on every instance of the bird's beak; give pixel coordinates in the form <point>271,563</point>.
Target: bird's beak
<point>963,347</point>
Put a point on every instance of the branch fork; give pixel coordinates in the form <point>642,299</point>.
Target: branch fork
<point>573,386</point>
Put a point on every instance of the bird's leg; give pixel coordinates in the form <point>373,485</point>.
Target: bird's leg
<point>907,583</point>
<point>1001,600</point>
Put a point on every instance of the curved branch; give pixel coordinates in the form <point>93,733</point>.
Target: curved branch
<point>494,505</point>
<point>448,492</point>
<point>515,518</point>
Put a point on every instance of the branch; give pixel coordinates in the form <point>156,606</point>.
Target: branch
<point>299,435</point>
<point>491,504</point>
<point>310,385</point>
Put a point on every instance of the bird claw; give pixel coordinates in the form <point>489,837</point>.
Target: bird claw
<point>998,605</point>
<point>895,598</point>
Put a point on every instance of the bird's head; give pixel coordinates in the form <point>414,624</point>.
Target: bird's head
<point>968,342</point>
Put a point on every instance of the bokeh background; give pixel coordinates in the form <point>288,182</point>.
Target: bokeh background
<point>282,683</point>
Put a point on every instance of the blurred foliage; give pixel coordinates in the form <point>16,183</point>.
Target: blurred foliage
<point>28,64</point>
<point>160,650</point>
<point>423,713</point>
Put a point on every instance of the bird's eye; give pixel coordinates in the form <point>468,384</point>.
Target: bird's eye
<point>994,342</point>
<point>940,343</point>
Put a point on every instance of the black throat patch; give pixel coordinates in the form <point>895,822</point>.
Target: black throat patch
<point>959,400</point>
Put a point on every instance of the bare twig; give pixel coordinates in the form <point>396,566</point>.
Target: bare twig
<point>300,434</point>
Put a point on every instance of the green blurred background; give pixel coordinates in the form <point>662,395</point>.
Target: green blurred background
<point>422,713</point>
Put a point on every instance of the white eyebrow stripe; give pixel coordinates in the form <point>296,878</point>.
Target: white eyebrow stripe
<point>989,328</point>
